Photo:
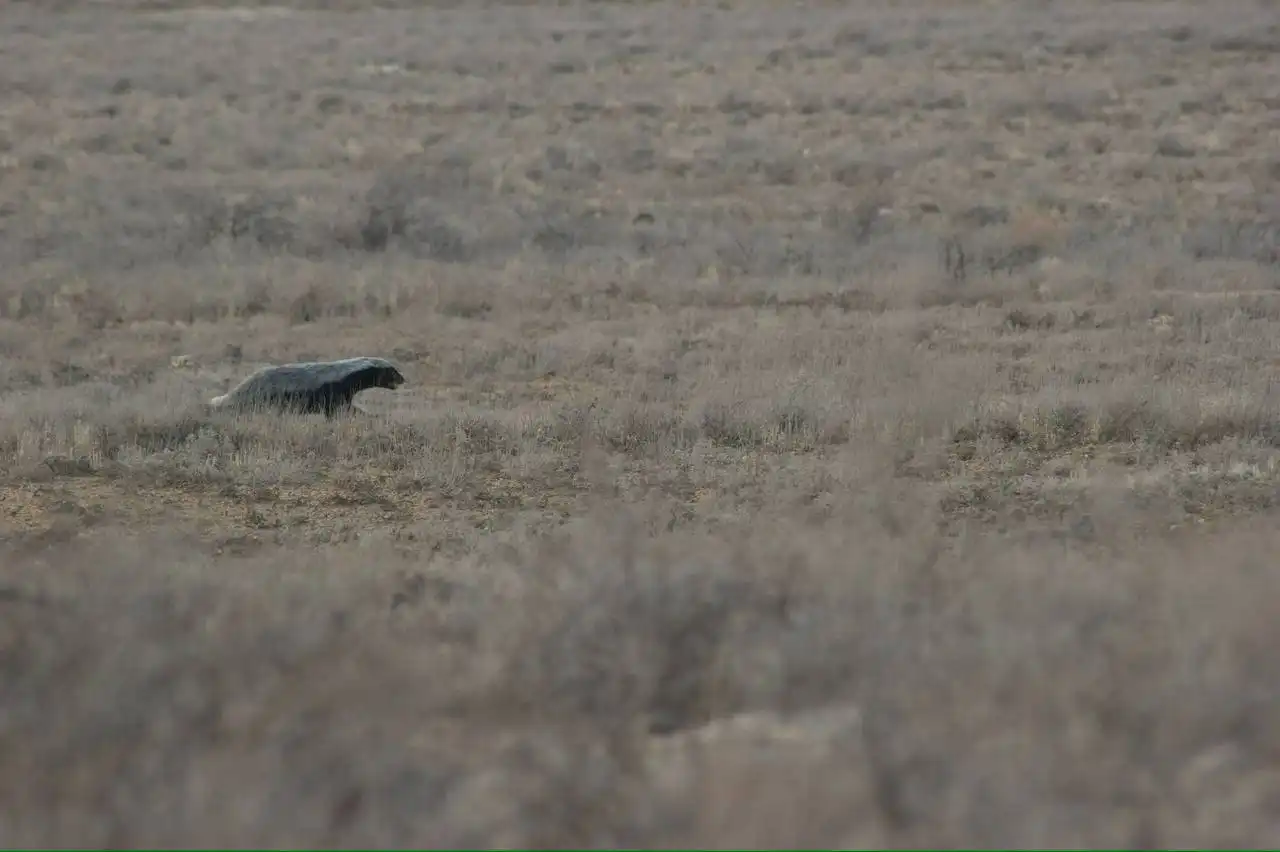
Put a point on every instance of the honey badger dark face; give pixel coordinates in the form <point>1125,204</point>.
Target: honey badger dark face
<point>384,376</point>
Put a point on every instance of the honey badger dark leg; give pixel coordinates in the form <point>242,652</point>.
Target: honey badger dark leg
<point>337,403</point>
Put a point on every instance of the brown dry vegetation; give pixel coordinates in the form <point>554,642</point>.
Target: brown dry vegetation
<point>829,424</point>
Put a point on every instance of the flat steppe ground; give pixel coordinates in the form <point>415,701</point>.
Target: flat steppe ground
<point>828,424</point>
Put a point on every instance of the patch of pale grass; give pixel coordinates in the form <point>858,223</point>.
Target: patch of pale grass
<point>599,638</point>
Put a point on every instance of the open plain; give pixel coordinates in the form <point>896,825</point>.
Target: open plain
<point>827,424</point>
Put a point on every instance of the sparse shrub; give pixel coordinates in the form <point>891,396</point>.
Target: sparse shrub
<point>731,426</point>
<point>642,429</point>
<point>263,220</point>
<point>1172,146</point>
<point>983,215</point>
<point>483,435</point>
<point>145,437</point>
<point>1217,239</point>
<point>642,639</point>
<point>402,210</point>
<point>1059,427</point>
<point>1021,320</point>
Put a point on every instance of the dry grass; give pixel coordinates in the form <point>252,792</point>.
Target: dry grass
<point>835,427</point>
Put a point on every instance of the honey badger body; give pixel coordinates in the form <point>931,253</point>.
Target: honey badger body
<point>319,387</point>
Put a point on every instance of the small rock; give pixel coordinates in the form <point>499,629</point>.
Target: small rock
<point>984,215</point>
<point>767,756</point>
<point>39,472</point>
<point>1172,146</point>
<point>64,466</point>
